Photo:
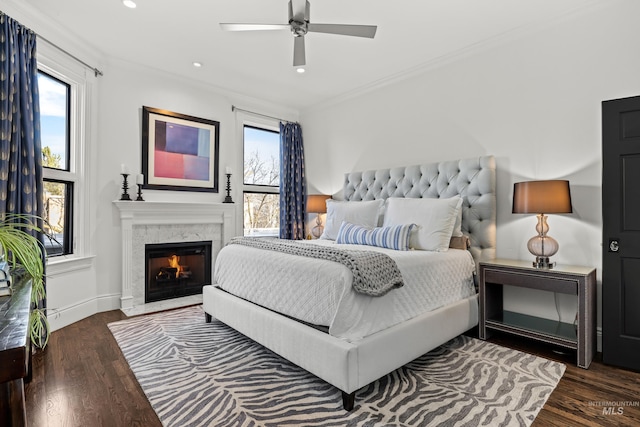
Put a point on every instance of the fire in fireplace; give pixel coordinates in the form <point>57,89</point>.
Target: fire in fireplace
<point>176,269</point>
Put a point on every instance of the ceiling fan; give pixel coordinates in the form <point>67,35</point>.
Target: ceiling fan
<point>299,26</point>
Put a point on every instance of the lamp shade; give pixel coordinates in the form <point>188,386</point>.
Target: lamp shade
<point>542,197</point>
<point>317,203</point>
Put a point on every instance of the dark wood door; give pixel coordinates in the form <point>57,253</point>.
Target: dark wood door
<point>621,232</point>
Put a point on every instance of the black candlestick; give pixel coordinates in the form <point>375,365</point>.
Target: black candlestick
<point>228,199</point>
<point>125,187</point>
<point>139,199</point>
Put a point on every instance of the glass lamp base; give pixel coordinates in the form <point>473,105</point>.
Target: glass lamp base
<point>543,262</point>
<point>317,231</point>
<point>543,247</point>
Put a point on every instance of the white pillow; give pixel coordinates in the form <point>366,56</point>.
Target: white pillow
<point>434,219</point>
<point>457,227</point>
<point>365,214</point>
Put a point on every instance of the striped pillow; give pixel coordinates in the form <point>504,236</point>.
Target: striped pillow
<point>392,237</point>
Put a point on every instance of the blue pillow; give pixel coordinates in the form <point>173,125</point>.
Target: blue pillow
<point>392,237</point>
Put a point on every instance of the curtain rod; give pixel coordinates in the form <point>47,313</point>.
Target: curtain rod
<point>94,69</point>
<point>96,72</point>
<point>234,108</point>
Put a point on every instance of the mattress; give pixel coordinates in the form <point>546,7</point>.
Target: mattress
<point>319,291</point>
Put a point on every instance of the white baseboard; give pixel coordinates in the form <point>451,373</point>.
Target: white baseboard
<point>65,316</point>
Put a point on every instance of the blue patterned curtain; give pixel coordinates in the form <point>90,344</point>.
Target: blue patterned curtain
<point>293,184</point>
<point>21,185</point>
<point>20,147</point>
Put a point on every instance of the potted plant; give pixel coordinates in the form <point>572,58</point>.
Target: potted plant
<point>23,250</point>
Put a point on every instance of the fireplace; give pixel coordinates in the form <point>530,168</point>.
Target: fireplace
<point>153,222</point>
<point>176,269</point>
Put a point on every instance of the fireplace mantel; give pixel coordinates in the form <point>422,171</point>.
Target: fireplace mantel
<point>167,212</point>
<point>156,222</point>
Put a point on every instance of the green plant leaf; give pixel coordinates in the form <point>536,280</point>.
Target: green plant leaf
<point>21,248</point>
<point>39,327</point>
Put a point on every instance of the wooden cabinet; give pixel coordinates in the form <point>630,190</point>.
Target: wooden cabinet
<point>15,353</point>
<point>573,280</point>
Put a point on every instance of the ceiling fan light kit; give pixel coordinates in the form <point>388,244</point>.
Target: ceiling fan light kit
<point>299,26</point>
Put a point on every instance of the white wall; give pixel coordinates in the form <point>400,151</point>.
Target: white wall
<point>533,102</point>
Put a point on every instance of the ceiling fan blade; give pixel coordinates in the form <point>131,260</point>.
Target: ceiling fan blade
<point>254,27</point>
<point>298,52</point>
<point>368,31</point>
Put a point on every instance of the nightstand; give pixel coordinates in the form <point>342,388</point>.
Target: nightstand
<point>573,280</point>
<point>15,352</point>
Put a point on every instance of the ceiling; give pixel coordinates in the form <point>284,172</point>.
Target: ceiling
<point>412,34</point>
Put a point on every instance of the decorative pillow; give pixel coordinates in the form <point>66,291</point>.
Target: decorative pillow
<point>365,214</point>
<point>394,237</point>
<point>434,219</point>
<point>457,227</point>
<point>460,242</point>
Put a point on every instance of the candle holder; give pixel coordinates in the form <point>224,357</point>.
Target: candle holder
<point>228,199</point>
<point>139,198</point>
<point>125,187</point>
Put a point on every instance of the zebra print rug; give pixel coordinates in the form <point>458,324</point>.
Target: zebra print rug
<point>199,374</point>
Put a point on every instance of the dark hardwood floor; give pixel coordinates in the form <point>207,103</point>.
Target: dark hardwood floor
<point>82,380</point>
<point>579,398</point>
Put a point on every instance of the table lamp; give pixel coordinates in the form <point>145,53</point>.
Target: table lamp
<point>317,203</point>
<point>540,198</point>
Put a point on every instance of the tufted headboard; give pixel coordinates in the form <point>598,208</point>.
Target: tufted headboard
<point>473,179</point>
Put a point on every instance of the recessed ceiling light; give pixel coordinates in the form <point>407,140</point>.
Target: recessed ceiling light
<point>129,3</point>
<point>300,70</point>
<point>197,64</point>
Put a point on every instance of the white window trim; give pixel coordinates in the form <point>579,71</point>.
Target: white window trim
<point>245,118</point>
<point>82,104</point>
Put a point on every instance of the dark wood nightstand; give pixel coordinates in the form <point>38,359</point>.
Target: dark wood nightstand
<point>15,353</point>
<point>573,280</point>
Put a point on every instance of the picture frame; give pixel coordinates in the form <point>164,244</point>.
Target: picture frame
<point>179,152</point>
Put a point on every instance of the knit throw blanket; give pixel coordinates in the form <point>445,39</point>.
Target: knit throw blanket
<point>374,273</point>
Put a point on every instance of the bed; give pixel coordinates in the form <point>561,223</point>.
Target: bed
<point>351,353</point>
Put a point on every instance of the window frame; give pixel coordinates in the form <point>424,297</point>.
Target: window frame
<point>60,66</point>
<point>67,247</point>
<point>68,122</point>
<point>62,176</point>
<point>263,125</point>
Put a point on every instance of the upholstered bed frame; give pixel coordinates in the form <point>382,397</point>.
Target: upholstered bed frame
<point>351,366</point>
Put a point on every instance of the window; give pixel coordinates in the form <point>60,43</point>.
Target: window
<point>68,107</point>
<point>261,181</point>
<point>55,124</point>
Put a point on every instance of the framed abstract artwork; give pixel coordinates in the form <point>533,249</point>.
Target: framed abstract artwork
<point>179,152</point>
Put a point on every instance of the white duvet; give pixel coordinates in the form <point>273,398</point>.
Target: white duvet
<point>320,292</point>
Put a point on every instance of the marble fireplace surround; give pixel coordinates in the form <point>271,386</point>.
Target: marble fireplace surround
<point>166,222</point>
